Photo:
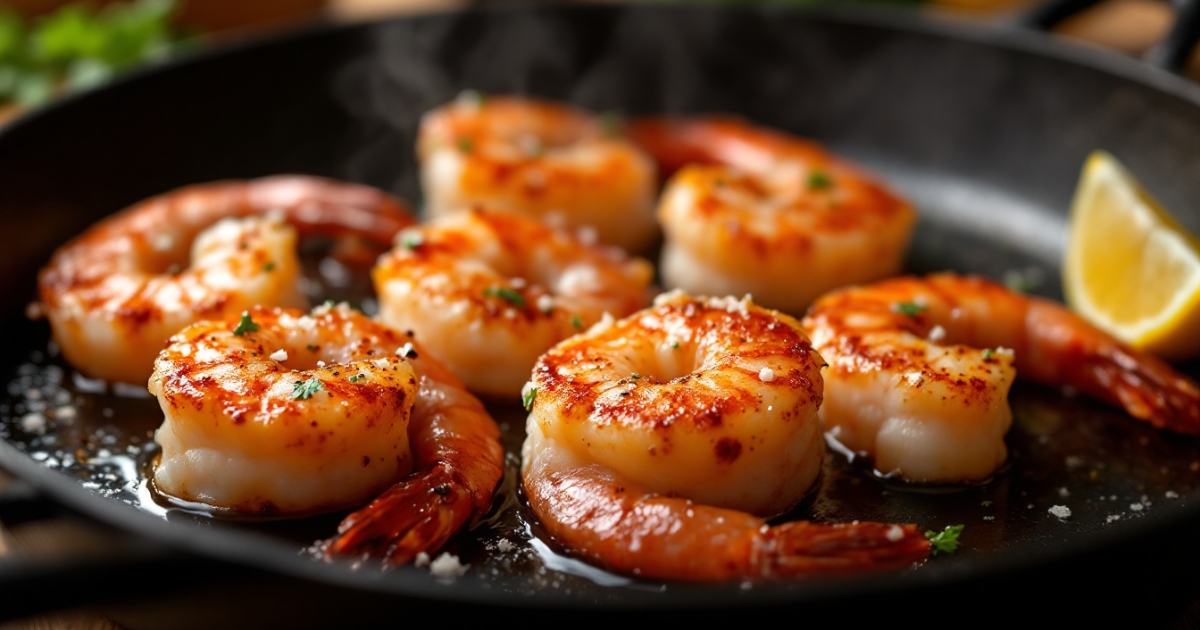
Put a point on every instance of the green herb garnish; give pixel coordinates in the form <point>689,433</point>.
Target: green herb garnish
<point>945,541</point>
<point>412,239</point>
<point>311,348</point>
<point>246,325</point>
<point>304,390</point>
<point>269,267</point>
<point>675,346</point>
<point>465,145</point>
<point>528,395</point>
<point>909,309</point>
<point>988,353</point>
<point>986,503</point>
<point>610,125</point>
<point>505,293</point>
<point>577,322</point>
<point>819,180</point>
<point>356,378</point>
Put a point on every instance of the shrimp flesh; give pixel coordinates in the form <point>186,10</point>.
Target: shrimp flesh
<point>920,369</point>
<point>284,413</point>
<point>658,444</point>
<point>757,211</point>
<point>116,293</point>
<point>488,293</point>
<point>543,160</point>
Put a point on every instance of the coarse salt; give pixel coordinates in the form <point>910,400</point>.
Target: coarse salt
<point>545,303</point>
<point>766,375</point>
<point>279,355</point>
<point>447,566</point>
<point>1061,511</point>
<point>937,333</point>
<point>895,533</point>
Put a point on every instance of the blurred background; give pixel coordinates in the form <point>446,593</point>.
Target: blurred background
<point>50,47</point>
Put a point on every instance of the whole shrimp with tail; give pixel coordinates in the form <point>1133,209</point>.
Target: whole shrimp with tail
<point>920,369</point>
<point>658,445</point>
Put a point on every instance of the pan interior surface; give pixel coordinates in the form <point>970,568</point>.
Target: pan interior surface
<point>985,132</point>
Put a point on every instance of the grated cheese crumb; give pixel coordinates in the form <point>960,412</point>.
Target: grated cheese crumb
<point>766,375</point>
<point>307,323</point>
<point>447,566</point>
<point>1061,511</point>
<point>280,355</point>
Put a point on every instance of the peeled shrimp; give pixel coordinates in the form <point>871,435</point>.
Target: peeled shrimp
<point>280,412</point>
<point>543,160</point>
<point>488,293</point>
<point>920,369</point>
<point>116,293</point>
<point>658,444</point>
<point>757,211</point>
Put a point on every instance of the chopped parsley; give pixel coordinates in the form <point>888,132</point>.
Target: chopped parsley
<point>474,98</point>
<point>304,390</point>
<point>357,377</point>
<point>909,309</point>
<point>412,239</point>
<point>987,503</point>
<point>528,395</point>
<point>505,293</point>
<point>819,180</point>
<point>609,124</point>
<point>945,541</point>
<point>577,323</point>
<point>311,348</point>
<point>246,325</point>
<point>675,346</point>
<point>465,145</point>
<point>269,267</point>
<point>989,353</point>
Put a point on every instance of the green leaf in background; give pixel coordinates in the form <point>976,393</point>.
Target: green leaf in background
<point>78,47</point>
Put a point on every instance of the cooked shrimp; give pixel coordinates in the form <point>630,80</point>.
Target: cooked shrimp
<point>760,212</point>
<point>658,444</point>
<point>543,160</point>
<point>116,293</point>
<point>920,369</point>
<point>488,293</point>
<point>280,412</point>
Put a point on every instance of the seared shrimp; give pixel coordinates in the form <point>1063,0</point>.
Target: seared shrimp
<point>920,369</point>
<point>116,293</point>
<point>658,444</point>
<point>760,212</point>
<point>280,412</point>
<point>543,160</point>
<point>488,293</point>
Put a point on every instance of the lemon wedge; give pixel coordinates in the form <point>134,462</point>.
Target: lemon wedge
<point>1130,267</point>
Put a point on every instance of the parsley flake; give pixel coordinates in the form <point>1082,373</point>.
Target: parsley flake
<point>311,348</point>
<point>357,377</point>
<point>989,353</point>
<point>675,346</point>
<point>909,309</point>
<point>986,503</point>
<point>819,180</point>
<point>945,541</point>
<point>246,325</point>
<point>305,389</point>
<point>577,323</point>
<point>528,395</point>
<point>609,124</point>
<point>505,293</point>
<point>269,267</point>
<point>412,239</point>
<point>465,145</point>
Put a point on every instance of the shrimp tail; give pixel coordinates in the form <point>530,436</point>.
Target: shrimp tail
<point>1148,389</point>
<point>414,516</point>
<point>803,548</point>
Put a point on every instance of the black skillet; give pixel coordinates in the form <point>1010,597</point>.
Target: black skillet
<point>984,128</point>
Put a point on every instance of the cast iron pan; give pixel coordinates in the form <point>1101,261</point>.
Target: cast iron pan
<point>984,128</point>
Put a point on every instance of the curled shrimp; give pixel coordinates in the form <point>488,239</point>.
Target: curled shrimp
<point>543,160</point>
<point>752,210</point>
<point>488,293</point>
<point>114,294</point>
<point>920,369</point>
<point>657,445</point>
<point>284,413</point>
